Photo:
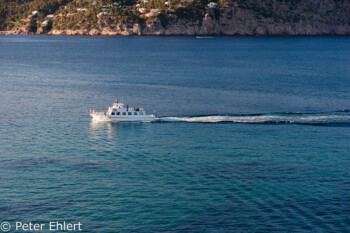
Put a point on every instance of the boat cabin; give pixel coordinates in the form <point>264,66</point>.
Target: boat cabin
<point>119,110</point>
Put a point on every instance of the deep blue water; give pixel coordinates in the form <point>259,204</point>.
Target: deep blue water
<point>257,139</point>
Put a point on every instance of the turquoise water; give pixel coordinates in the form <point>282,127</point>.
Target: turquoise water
<point>254,133</point>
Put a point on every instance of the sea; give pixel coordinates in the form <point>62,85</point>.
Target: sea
<point>253,133</point>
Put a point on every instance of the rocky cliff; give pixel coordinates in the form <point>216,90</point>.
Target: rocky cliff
<point>243,17</point>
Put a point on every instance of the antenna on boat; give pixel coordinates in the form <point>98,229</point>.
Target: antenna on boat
<point>118,99</point>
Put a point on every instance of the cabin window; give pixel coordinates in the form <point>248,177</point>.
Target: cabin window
<point>129,113</point>
<point>141,113</point>
<point>135,113</point>
<point>118,113</point>
<point>124,113</point>
<point>113,113</point>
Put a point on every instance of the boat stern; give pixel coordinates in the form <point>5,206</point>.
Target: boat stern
<point>99,116</point>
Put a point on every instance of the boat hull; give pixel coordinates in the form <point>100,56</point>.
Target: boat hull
<point>104,117</point>
<point>134,119</point>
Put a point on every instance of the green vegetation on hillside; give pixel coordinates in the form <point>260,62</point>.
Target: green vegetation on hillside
<point>12,11</point>
<point>88,14</point>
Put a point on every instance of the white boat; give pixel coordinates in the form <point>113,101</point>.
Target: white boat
<point>120,112</point>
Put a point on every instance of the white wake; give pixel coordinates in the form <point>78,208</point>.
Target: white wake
<point>269,118</point>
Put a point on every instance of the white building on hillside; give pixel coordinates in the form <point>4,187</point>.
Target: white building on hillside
<point>212,5</point>
<point>142,10</point>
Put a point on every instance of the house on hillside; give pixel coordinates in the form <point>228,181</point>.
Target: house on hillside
<point>212,5</point>
<point>142,10</point>
<point>153,12</point>
<point>101,14</point>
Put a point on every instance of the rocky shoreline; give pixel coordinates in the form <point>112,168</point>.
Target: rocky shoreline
<point>232,21</point>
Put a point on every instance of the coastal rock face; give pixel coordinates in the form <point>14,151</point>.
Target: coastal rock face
<point>237,21</point>
<point>239,17</point>
<point>153,28</point>
<point>121,30</point>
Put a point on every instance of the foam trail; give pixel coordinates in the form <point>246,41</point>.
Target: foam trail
<point>277,118</point>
